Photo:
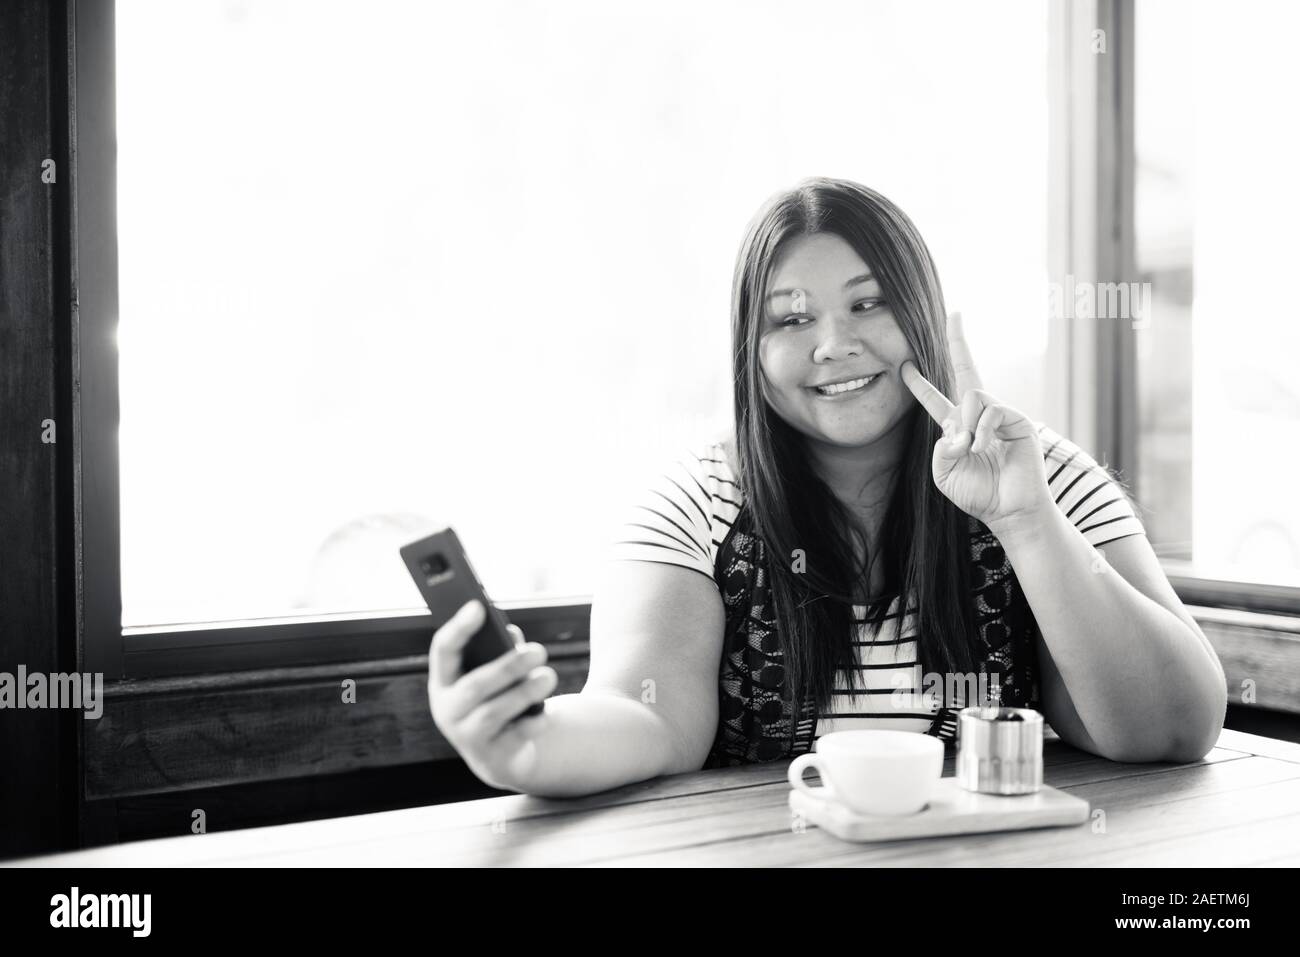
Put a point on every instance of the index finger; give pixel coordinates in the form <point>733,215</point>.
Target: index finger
<point>931,399</point>
<point>450,640</point>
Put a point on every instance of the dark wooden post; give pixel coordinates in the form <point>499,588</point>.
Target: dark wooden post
<point>39,592</point>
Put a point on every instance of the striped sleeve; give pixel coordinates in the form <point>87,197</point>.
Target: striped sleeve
<point>671,521</point>
<point>1087,492</point>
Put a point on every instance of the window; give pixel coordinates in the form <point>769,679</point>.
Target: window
<point>1216,205</point>
<point>395,264</point>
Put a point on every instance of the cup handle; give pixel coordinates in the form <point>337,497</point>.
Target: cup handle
<point>795,776</point>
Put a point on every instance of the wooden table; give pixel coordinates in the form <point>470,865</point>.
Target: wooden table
<point>1239,806</point>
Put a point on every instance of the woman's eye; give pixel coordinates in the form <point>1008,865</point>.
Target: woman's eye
<point>862,307</point>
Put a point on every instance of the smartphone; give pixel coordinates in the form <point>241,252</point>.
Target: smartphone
<point>447,581</point>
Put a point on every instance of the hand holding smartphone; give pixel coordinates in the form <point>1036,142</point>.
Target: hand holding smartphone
<point>446,580</point>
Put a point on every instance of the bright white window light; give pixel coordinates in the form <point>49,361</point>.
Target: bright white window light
<point>391,264</point>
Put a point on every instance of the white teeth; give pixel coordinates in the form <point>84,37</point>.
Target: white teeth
<point>844,386</point>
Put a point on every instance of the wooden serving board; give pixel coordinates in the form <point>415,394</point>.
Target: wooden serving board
<point>952,810</point>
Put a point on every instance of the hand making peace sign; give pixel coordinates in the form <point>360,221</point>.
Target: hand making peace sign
<point>989,462</point>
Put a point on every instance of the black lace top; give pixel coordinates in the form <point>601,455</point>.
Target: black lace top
<point>755,710</point>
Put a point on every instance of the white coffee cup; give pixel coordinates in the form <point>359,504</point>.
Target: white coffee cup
<point>873,771</point>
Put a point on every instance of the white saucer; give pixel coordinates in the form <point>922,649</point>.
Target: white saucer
<point>951,810</point>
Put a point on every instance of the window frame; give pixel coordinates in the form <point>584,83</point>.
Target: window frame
<point>1092,364</point>
<point>1093,237</point>
<point>93,161</point>
<point>1091,223</point>
<point>200,648</point>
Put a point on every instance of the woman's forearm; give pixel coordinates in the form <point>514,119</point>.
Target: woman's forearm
<point>595,741</point>
<point>1145,685</point>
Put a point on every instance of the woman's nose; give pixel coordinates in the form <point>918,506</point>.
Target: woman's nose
<point>842,339</point>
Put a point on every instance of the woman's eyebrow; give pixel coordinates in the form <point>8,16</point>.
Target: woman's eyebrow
<point>856,280</point>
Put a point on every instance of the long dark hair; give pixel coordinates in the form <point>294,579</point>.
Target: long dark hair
<point>924,537</point>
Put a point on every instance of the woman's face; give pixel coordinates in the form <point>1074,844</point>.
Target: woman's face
<point>825,321</point>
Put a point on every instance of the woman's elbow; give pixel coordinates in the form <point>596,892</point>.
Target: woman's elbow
<point>1194,735</point>
<point>1203,735</point>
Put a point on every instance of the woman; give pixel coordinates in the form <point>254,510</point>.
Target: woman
<point>754,601</point>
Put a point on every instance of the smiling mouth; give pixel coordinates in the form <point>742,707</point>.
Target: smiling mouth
<point>845,388</point>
